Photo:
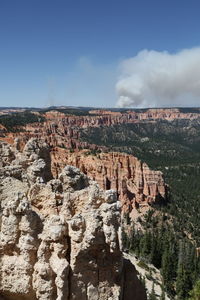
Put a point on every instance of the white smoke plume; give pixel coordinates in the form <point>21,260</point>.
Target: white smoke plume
<point>160,79</point>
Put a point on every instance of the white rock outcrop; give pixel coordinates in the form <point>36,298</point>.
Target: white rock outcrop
<point>58,237</point>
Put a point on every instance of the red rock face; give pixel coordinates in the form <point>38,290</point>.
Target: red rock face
<point>136,184</point>
<point>64,130</point>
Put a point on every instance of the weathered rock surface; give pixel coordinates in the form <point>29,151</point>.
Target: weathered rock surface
<point>59,231</point>
<point>136,184</point>
<point>59,238</point>
<point>64,130</point>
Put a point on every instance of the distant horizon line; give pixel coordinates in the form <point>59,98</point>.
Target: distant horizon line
<point>94,107</point>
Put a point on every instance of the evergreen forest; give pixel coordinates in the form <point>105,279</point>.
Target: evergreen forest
<point>171,235</point>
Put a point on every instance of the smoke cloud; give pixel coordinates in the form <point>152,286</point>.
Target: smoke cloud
<point>160,79</point>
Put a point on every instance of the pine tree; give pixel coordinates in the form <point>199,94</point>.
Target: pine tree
<point>145,244</point>
<point>143,281</point>
<point>183,280</point>
<point>180,282</point>
<point>195,293</point>
<point>125,240</point>
<point>166,268</point>
<point>152,295</point>
<point>162,297</point>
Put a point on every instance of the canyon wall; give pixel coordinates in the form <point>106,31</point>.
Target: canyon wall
<point>63,130</point>
<point>60,232</point>
<point>136,184</point>
<point>59,237</point>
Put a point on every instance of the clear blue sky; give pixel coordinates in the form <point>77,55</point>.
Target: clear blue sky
<point>66,52</point>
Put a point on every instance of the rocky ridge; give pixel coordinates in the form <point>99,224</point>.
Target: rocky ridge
<point>59,237</point>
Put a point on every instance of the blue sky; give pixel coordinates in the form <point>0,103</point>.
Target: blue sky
<point>68,52</point>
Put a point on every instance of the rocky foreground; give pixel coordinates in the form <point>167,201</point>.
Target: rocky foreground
<point>60,238</point>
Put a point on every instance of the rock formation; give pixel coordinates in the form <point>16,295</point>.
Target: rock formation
<point>64,130</point>
<point>59,237</point>
<point>136,184</point>
<point>60,233</point>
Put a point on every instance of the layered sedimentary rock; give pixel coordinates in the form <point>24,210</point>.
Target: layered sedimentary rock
<point>108,118</point>
<point>59,231</point>
<point>135,183</point>
<point>64,130</point>
<point>59,237</point>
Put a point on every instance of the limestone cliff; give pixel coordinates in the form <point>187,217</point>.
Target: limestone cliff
<point>59,237</point>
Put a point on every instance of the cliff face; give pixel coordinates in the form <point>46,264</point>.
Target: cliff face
<point>59,231</point>
<point>59,237</point>
<point>61,126</point>
<point>136,185</point>
<point>106,118</point>
<point>64,130</point>
<point>61,129</point>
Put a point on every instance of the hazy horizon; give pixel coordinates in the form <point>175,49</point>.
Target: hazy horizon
<point>96,107</point>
